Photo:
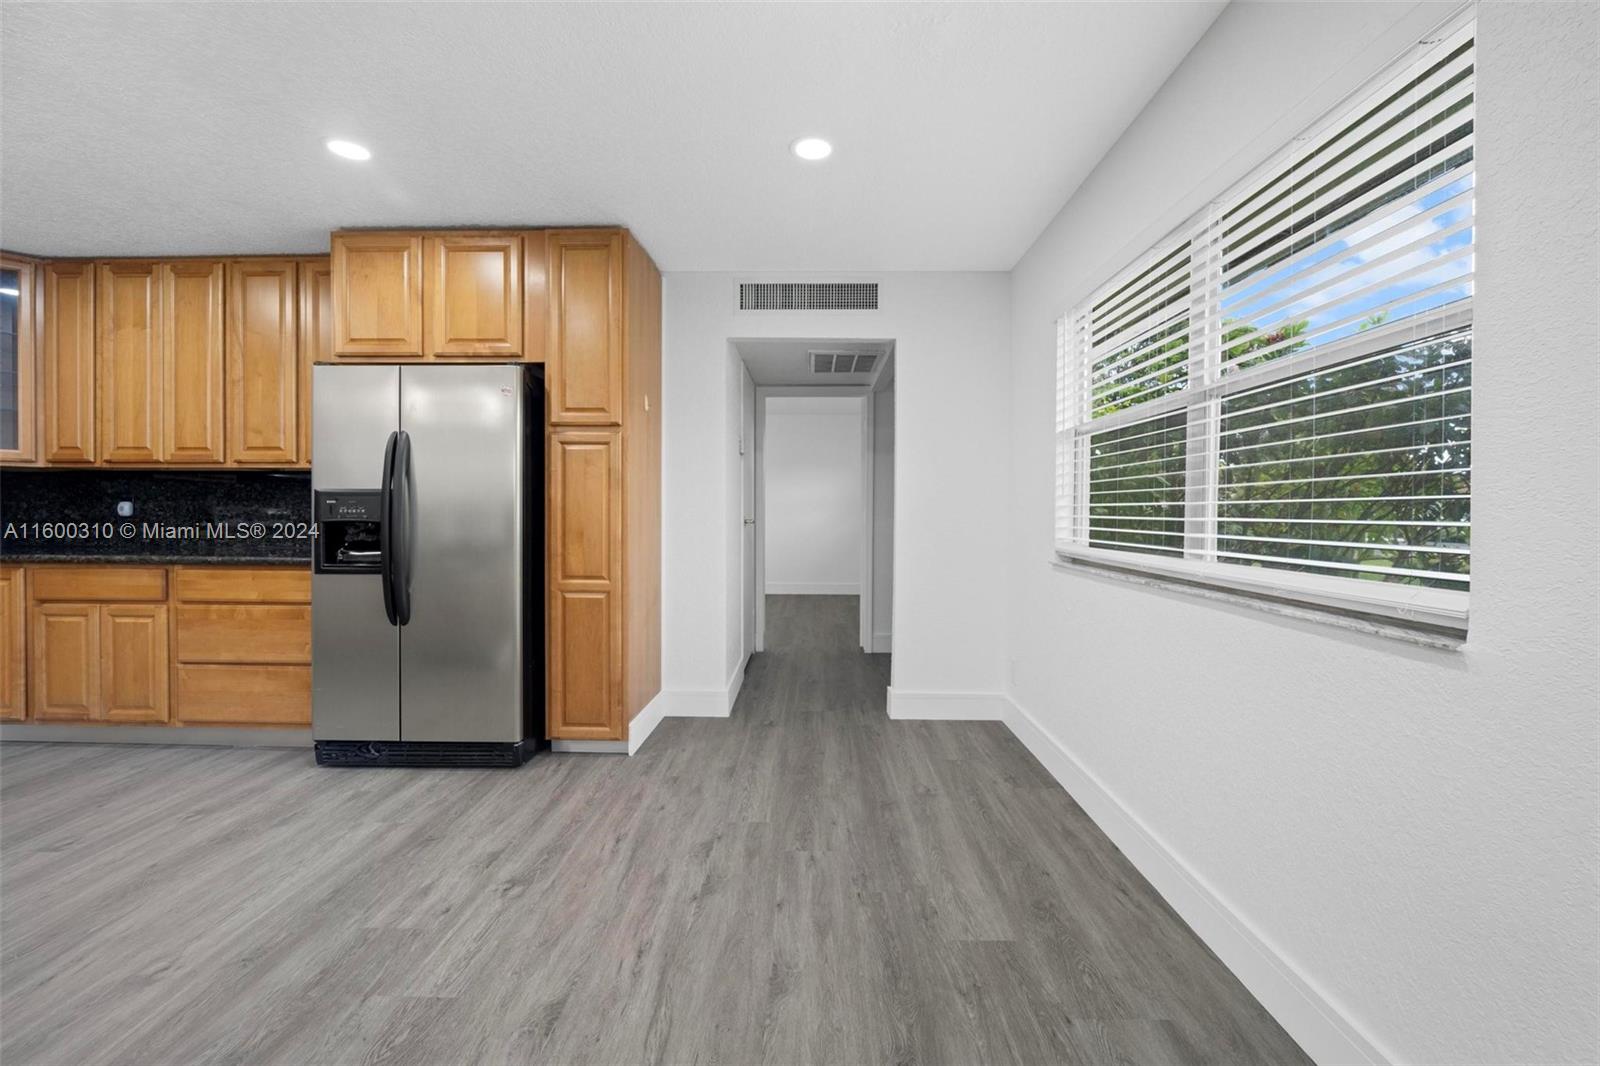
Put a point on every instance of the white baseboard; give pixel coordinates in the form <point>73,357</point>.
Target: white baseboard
<point>736,681</point>
<point>947,706</point>
<point>882,643</point>
<point>1321,1028</point>
<point>704,702</point>
<point>807,588</point>
<point>644,723</point>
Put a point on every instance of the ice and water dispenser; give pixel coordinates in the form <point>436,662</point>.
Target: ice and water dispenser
<point>349,531</point>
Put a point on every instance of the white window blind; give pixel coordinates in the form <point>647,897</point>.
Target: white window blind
<point>1279,395</point>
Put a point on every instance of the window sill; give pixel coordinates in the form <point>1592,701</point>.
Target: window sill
<point>1388,613</point>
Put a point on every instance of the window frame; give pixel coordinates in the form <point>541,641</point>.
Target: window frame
<point>1439,612</point>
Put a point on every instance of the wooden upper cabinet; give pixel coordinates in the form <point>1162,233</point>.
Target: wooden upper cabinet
<point>19,413</point>
<point>474,295</point>
<point>377,296</point>
<point>128,352</point>
<point>316,337</point>
<point>584,350</point>
<point>191,358</point>
<point>535,296</point>
<point>69,364</point>
<point>13,644</point>
<point>264,369</point>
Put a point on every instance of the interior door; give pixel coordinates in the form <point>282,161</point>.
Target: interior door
<point>461,651</point>
<point>747,459</point>
<point>355,651</point>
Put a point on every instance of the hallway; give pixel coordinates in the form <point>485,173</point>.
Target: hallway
<point>808,882</point>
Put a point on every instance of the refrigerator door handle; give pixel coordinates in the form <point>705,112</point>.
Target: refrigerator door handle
<point>405,508</point>
<point>386,528</point>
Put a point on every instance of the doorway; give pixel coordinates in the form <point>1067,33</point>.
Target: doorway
<point>817,479</point>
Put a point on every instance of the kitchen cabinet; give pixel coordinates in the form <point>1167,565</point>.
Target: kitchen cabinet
<point>128,344</point>
<point>316,337</point>
<point>377,295</point>
<point>584,348</point>
<point>97,643</point>
<point>133,662</point>
<point>13,644</point>
<point>585,566</point>
<point>68,329</point>
<point>100,662</point>
<point>264,369</point>
<point>64,675</point>
<point>243,653</point>
<point>183,645</point>
<point>19,387</point>
<point>473,286</point>
<point>603,366</point>
<point>190,319</point>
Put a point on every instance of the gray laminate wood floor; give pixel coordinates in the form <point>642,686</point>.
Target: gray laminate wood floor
<point>808,882</point>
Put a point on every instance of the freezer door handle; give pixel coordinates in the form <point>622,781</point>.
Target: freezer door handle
<point>405,509</point>
<point>386,528</point>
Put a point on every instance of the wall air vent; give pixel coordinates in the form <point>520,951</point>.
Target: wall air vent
<point>808,296</point>
<point>843,362</point>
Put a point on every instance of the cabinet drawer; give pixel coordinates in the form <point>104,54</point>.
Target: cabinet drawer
<point>215,584</point>
<point>104,584</point>
<point>244,634</point>
<point>244,695</point>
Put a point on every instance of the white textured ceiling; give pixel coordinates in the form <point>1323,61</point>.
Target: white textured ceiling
<point>155,128</point>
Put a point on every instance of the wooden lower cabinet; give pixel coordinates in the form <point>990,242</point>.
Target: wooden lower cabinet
<point>13,644</point>
<point>243,645</point>
<point>64,672</point>
<point>211,694</point>
<point>585,559</point>
<point>185,645</point>
<point>133,662</point>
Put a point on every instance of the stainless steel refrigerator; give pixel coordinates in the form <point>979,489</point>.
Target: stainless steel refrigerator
<point>427,487</point>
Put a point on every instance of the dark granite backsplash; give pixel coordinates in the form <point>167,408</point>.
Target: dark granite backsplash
<point>240,516</point>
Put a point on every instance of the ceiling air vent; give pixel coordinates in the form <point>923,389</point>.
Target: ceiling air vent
<point>843,362</point>
<point>808,296</point>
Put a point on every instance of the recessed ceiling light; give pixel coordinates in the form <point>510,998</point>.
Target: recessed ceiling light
<point>811,149</point>
<point>348,150</point>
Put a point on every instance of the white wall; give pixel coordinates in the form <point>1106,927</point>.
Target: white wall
<point>883,519</point>
<point>812,459</point>
<point>1408,835</point>
<point>952,337</point>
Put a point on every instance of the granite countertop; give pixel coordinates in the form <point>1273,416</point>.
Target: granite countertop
<point>167,559</point>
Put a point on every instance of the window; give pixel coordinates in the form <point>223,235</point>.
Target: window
<point>1279,396</point>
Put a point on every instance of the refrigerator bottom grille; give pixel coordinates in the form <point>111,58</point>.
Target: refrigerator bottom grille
<point>420,753</point>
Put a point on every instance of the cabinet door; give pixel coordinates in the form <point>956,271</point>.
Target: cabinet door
<point>191,357</point>
<point>64,676</point>
<point>316,337</point>
<point>377,295</point>
<point>128,352</point>
<point>474,295</point>
<point>134,664</point>
<point>584,351</point>
<point>585,545</point>
<point>19,413</point>
<point>13,646</point>
<point>69,369</point>
<point>263,362</point>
